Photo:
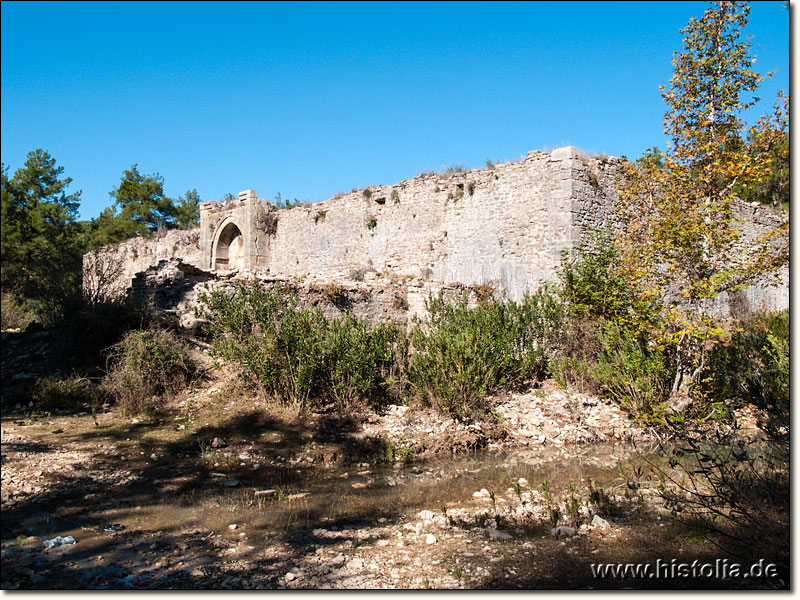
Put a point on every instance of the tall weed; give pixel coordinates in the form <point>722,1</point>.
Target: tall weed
<point>462,353</point>
<point>295,354</point>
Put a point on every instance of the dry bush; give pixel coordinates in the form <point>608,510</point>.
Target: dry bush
<point>71,393</point>
<point>12,314</point>
<point>146,367</point>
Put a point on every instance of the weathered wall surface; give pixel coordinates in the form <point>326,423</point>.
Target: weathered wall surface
<point>108,272</point>
<point>174,288</point>
<point>505,226</point>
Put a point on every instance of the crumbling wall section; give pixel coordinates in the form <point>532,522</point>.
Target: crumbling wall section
<point>108,271</point>
<point>504,225</point>
<point>174,288</point>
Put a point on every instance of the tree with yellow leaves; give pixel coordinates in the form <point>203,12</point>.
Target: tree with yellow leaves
<point>682,243</point>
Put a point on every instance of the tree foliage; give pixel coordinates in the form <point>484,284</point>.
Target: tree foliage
<point>141,208</point>
<point>187,210</point>
<point>683,243</point>
<point>142,204</point>
<point>41,240</point>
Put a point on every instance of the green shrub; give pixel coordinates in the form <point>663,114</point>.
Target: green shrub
<point>463,353</point>
<point>591,283</point>
<point>145,367</point>
<point>634,376</point>
<point>13,314</point>
<point>296,355</point>
<point>754,368</point>
<point>71,393</point>
<point>358,360</point>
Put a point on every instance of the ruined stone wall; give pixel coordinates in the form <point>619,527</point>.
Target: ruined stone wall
<point>505,225</point>
<point>172,287</point>
<point>108,271</point>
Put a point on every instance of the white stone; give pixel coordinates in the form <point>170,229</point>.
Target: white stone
<point>600,522</point>
<point>565,152</point>
<point>355,563</point>
<point>496,534</point>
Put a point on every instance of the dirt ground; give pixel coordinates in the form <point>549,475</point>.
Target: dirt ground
<point>222,491</point>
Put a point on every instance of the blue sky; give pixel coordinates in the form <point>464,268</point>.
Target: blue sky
<point>313,99</point>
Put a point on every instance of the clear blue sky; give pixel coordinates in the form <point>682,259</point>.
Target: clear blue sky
<point>313,99</point>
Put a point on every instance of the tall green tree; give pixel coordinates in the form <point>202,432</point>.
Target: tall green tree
<point>683,244</point>
<point>41,240</point>
<point>142,204</point>
<point>140,208</point>
<point>187,210</point>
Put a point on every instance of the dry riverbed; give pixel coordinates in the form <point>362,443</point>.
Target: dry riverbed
<point>219,492</point>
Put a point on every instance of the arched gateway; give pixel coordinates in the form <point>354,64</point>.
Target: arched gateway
<point>228,253</point>
<point>231,237</point>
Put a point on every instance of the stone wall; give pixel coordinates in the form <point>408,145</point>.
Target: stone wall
<point>108,271</point>
<point>172,287</point>
<point>506,226</point>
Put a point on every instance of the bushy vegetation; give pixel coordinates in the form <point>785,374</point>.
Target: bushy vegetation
<point>13,314</point>
<point>589,281</point>
<point>298,356</point>
<point>753,368</point>
<point>602,351</point>
<point>462,353</point>
<point>605,349</point>
<point>145,368</point>
<point>70,393</point>
<point>630,373</point>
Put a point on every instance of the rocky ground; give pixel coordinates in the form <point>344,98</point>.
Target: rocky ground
<point>487,539</point>
<point>223,491</point>
<point>103,480</point>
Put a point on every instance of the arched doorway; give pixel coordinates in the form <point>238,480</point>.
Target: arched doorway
<point>229,249</point>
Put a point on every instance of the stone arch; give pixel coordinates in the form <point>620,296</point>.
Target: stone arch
<point>228,250</point>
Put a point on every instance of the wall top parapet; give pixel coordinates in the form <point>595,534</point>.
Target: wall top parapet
<point>565,152</point>
<point>245,195</point>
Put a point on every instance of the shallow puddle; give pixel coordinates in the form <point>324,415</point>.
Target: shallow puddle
<point>337,498</point>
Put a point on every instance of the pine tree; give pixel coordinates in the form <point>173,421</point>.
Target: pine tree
<point>41,240</point>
